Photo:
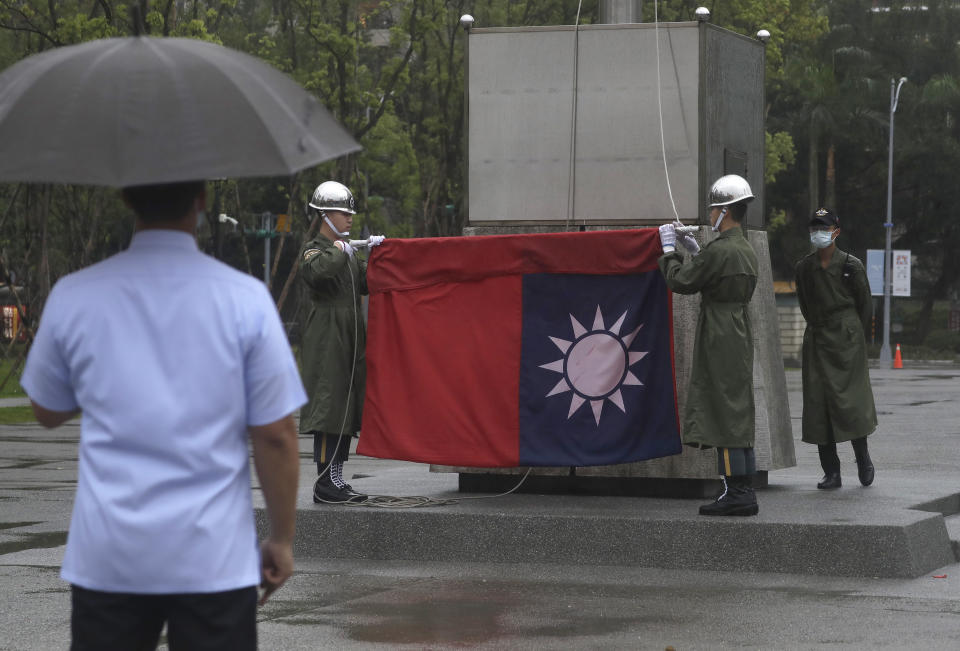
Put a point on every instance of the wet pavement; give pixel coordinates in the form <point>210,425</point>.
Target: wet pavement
<point>350,603</point>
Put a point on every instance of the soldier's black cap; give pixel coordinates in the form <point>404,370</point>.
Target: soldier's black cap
<point>825,216</point>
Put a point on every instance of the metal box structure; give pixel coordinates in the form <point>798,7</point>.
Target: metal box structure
<point>564,130</point>
<point>539,97</point>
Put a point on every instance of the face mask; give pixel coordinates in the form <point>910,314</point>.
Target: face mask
<point>821,239</point>
<point>716,227</point>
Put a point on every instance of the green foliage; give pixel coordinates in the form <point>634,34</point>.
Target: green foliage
<point>780,154</point>
<point>943,339</point>
<point>794,25</point>
<point>776,221</point>
<point>81,27</point>
<point>16,415</point>
<point>389,166</point>
<point>392,73</point>
<point>12,388</point>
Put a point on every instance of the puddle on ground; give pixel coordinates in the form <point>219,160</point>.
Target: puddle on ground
<point>49,590</point>
<point>429,622</point>
<point>16,525</point>
<point>926,376</point>
<point>36,439</point>
<point>70,484</point>
<point>26,463</point>
<point>808,591</point>
<point>44,540</point>
<point>459,618</point>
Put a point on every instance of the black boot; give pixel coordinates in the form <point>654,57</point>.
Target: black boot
<point>864,463</point>
<point>336,475</point>
<point>830,481</point>
<point>353,494</point>
<point>324,492</point>
<point>738,498</point>
<point>830,463</point>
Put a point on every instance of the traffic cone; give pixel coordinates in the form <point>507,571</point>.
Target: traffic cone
<point>897,360</point>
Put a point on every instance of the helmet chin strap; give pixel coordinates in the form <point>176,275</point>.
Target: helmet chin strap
<point>716,227</point>
<point>332,227</point>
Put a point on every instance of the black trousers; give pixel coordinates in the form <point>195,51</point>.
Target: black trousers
<point>108,621</point>
<point>330,447</point>
<point>830,460</point>
<point>733,462</point>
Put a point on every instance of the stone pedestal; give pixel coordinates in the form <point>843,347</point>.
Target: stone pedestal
<point>774,437</point>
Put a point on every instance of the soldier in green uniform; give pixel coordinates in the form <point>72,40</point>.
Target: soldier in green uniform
<point>837,398</point>
<point>719,409</point>
<point>334,340</point>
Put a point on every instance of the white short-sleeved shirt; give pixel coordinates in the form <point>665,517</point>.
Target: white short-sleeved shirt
<point>171,355</point>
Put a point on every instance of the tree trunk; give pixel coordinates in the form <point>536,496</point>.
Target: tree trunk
<point>293,270</point>
<point>831,184</point>
<point>813,175</point>
<point>43,268</point>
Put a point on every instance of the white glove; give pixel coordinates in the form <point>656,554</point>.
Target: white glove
<point>668,238</point>
<point>372,241</point>
<point>689,242</point>
<point>345,247</point>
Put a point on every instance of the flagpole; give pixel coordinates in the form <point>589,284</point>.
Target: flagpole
<point>885,353</point>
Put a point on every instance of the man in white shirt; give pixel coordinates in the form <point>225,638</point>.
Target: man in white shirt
<point>176,362</point>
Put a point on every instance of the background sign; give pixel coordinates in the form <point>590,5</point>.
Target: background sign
<point>875,271</point>
<point>901,273</point>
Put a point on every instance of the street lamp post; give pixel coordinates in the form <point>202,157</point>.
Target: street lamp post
<point>885,355</point>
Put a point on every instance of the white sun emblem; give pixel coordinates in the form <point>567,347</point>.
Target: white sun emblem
<point>595,365</point>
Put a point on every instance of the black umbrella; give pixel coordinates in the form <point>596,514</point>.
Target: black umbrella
<point>141,110</point>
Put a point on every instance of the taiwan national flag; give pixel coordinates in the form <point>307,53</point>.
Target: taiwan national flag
<point>520,350</point>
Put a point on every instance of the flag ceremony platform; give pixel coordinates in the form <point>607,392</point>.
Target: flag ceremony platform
<point>854,531</point>
<point>904,525</point>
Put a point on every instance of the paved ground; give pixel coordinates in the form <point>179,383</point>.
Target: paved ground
<point>359,604</point>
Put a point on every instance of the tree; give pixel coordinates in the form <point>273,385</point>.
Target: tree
<point>795,27</point>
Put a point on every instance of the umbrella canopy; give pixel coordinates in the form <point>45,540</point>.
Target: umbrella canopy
<point>141,110</point>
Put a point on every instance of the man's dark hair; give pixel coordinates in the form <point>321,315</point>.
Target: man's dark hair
<point>736,211</point>
<point>164,202</point>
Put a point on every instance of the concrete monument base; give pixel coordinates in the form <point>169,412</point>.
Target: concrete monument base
<point>576,484</point>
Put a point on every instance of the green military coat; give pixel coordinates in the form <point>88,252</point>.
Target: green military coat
<point>334,338</point>
<point>719,410</point>
<point>837,397</point>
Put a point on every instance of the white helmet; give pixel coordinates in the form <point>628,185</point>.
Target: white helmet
<point>729,189</point>
<point>331,195</point>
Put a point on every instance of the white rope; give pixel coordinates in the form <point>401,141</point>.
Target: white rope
<point>415,501</point>
<point>571,176</point>
<point>663,145</point>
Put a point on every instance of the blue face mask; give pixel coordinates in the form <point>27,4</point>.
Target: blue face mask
<point>821,239</point>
